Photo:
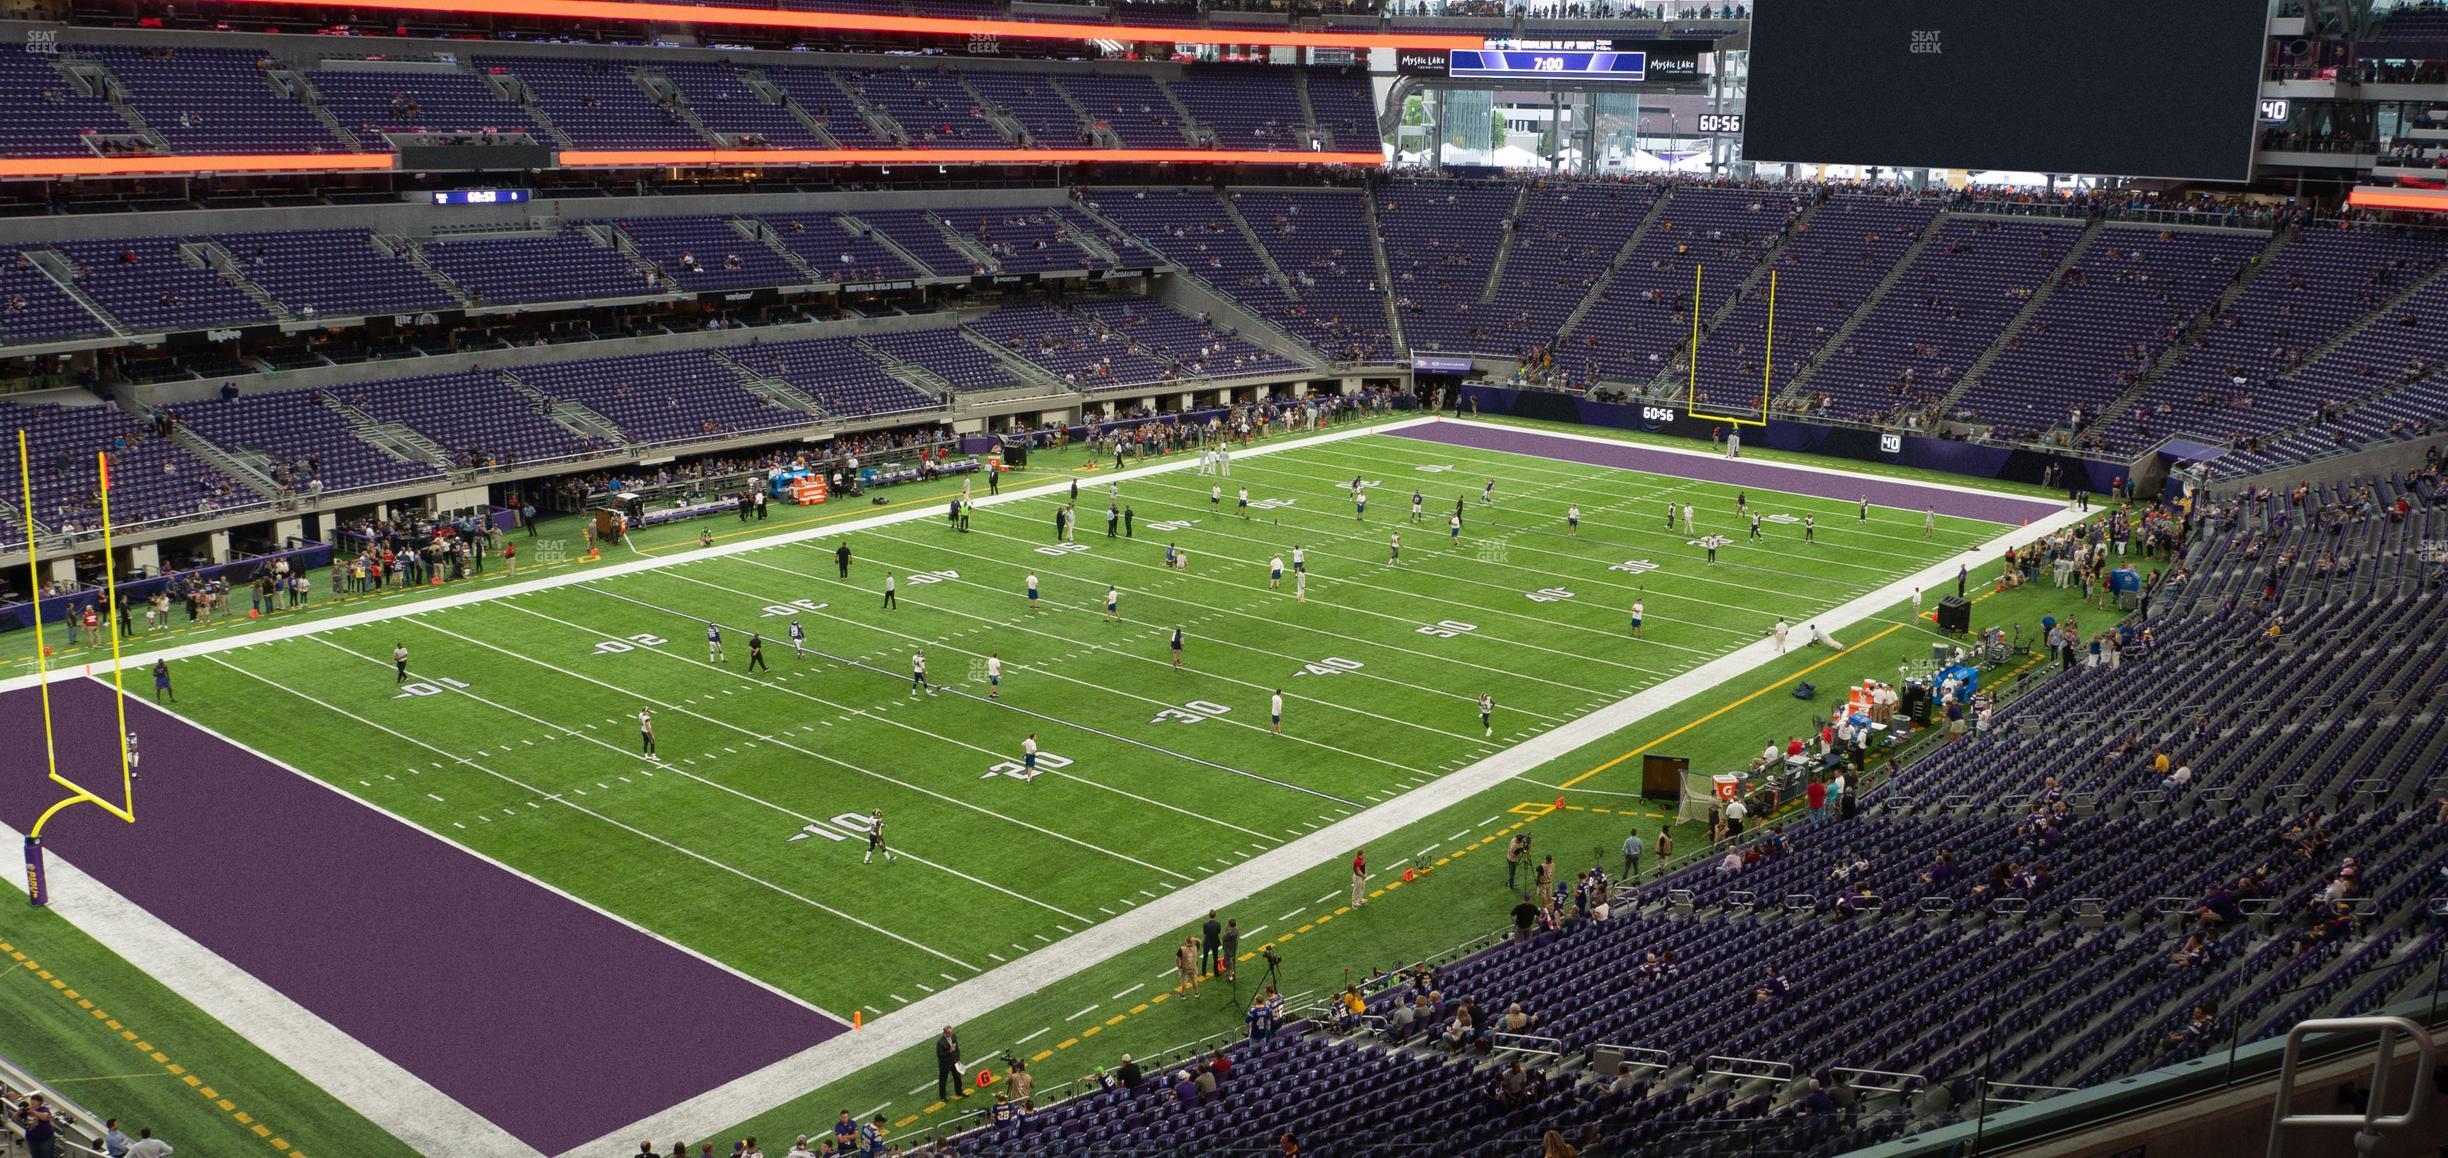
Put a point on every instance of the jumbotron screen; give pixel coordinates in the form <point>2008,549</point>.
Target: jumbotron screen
<point>2163,88</point>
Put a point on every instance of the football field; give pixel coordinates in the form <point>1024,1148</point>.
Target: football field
<point>741,839</point>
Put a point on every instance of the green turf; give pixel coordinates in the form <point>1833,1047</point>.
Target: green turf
<point>1164,789</point>
<point>1460,897</point>
<point>120,1044</point>
<point>731,835</point>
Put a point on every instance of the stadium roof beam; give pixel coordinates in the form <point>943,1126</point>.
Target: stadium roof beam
<point>617,11</point>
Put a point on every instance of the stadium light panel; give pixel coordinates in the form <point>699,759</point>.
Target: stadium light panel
<point>123,166</point>
<point>657,158</point>
<point>921,25</point>
<point>2412,200</point>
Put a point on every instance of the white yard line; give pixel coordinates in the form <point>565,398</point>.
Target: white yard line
<point>558,799</point>
<point>407,1108</point>
<point>757,1093</point>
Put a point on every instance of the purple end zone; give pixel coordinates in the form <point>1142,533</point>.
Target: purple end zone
<point>552,1020</point>
<point>1995,508</point>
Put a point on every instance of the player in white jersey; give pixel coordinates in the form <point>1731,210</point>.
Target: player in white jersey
<point>1032,593</point>
<point>1687,518</point>
<point>1487,714</point>
<point>713,643</point>
<point>1243,504</point>
<point>1113,604</point>
<point>918,680</point>
<point>1779,631</point>
<point>134,759</point>
<point>1275,713</point>
<point>1215,497</point>
<point>1929,521</point>
<point>1275,573</point>
<point>1453,530</point>
<point>994,675</point>
<point>1300,559</point>
<point>875,838</point>
<point>1394,549</point>
<point>798,636</point>
<point>1028,759</point>
<point>1638,613</point>
<point>1810,527</point>
<point>646,739</point>
<point>1300,586</point>
<point>1359,503</point>
<point>1572,520</point>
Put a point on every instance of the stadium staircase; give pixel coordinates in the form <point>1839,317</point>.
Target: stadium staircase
<point>2183,344</point>
<point>1308,110</point>
<point>512,89</point>
<point>754,229</point>
<point>62,273</point>
<point>1756,280</point>
<point>1021,369</point>
<point>1103,136</point>
<point>1796,390</point>
<point>2379,313</point>
<point>97,78</point>
<point>407,249</point>
<point>772,94</point>
<point>1385,275</point>
<point>856,227</point>
<point>772,390</point>
<point>968,246</point>
<point>1091,244</point>
<point>251,469</point>
<point>1275,273</point>
<point>393,438</point>
<point>917,376</point>
<point>210,255</point>
<point>1504,246</point>
<point>312,98</point>
<point>1191,130</point>
<point>1008,126</point>
<point>575,417</point>
<point>10,516</point>
<point>661,88</point>
<point>877,119</point>
<point>1971,375</point>
<point>1606,276</point>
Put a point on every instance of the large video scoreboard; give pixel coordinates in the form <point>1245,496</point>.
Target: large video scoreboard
<point>1556,62</point>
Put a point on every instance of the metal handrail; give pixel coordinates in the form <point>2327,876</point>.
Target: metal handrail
<point>2370,1125</point>
<point>1539,1044</point>
<point>1725,1066</point>
<point>1627,1054</point>
<point>1909,1083</point>
<point>1997,1085</point>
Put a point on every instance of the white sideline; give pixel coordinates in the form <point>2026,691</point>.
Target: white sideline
<point>431,1122</point>
<point>137,660</point>
<point>363,1079</point>
<point>769,1088</point>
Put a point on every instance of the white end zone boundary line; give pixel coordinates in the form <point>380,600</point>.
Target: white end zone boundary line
<point>429,1120</point>
<point>1752,456</point>
<point>358,1076</point>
